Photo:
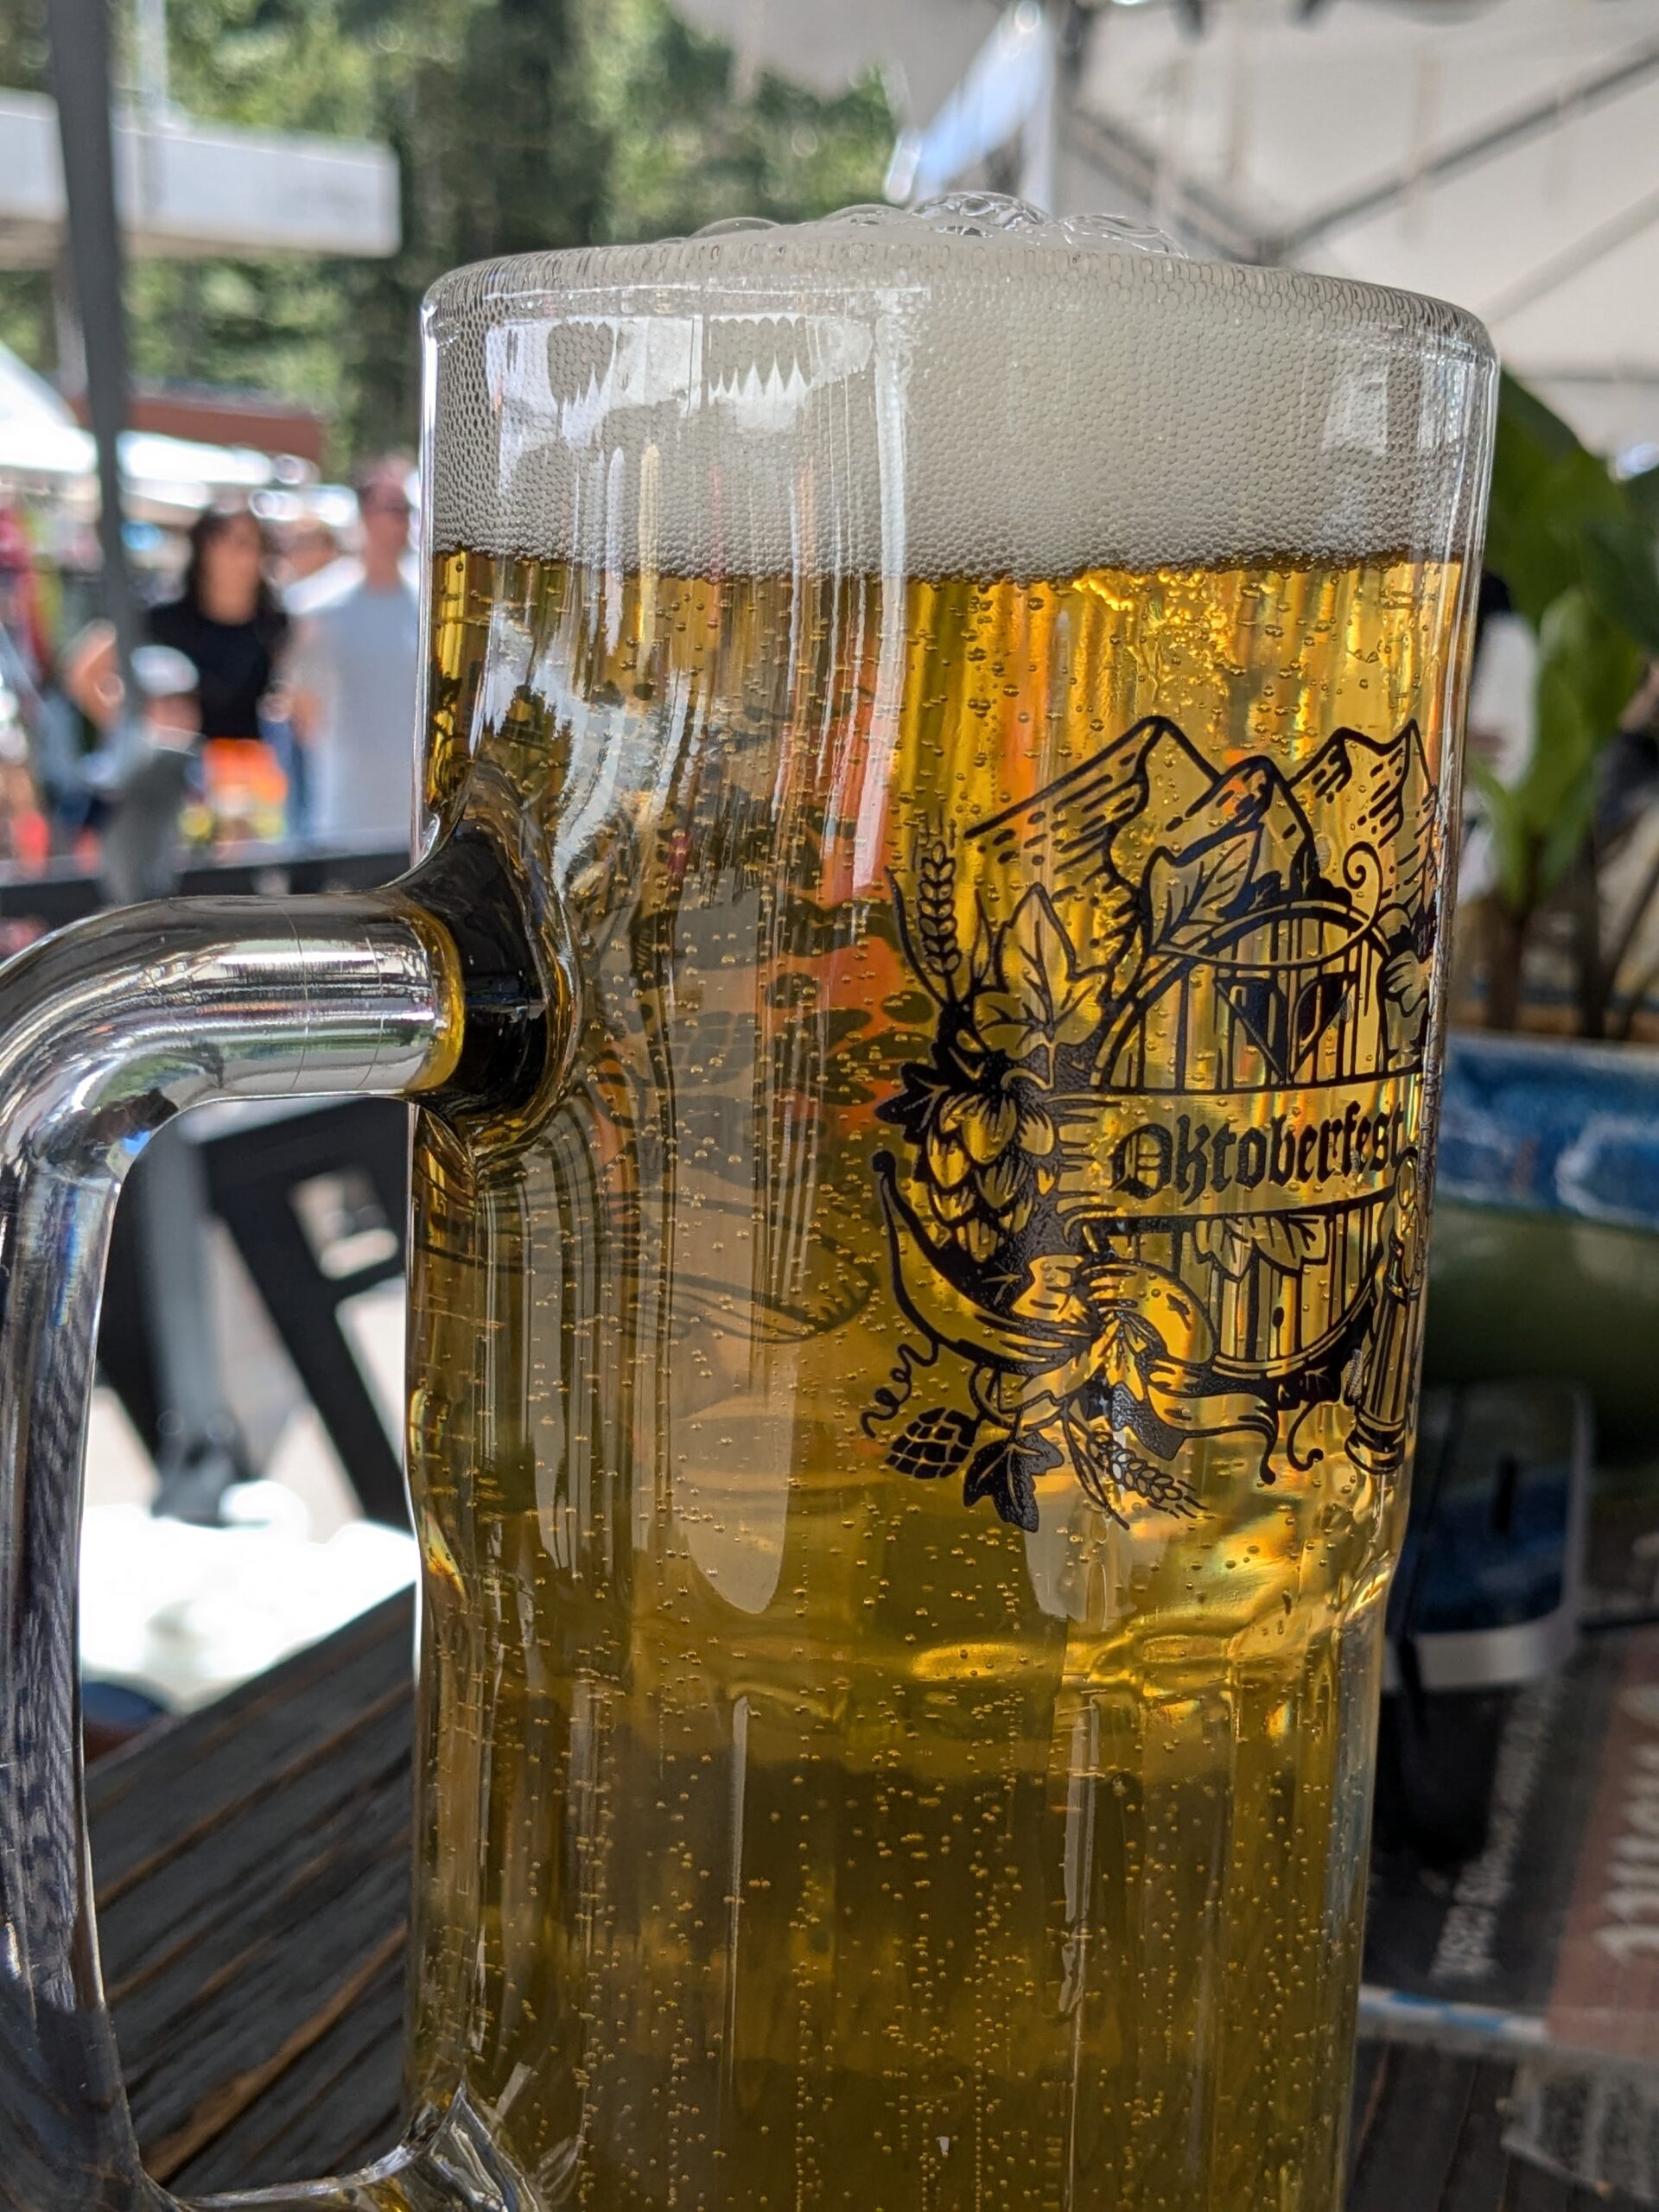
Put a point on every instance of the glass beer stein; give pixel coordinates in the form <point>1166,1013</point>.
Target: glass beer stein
<point>921,989</point>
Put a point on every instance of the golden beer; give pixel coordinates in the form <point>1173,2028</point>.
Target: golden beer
<point>908,1433</point>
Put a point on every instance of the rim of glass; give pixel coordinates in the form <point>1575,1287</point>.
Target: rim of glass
<point>798,263</point>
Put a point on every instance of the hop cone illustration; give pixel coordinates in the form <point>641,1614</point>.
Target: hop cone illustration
<point>935,1443</point>
<point>985,1159</point>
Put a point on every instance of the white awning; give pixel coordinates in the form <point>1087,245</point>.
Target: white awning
<point>190,188</point>
<point>1507,159</point>
<point>177,469</point>
<point>27,397</point>
<point>40,443</point>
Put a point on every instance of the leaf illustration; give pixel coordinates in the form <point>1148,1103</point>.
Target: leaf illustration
<point>1189,899</point>
<point>1403,985</point>
<point>1405,980</point>
<point>1288,1242</point>
<point>982,957</point>
<point>1037,957</point>
<point>1041,998</point>
<point>1080,1014</point>
<point>1005,1025</point>
<point>1005,1470</point>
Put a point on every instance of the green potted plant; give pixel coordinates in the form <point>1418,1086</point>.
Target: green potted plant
<point>1546,1257</point>
<point>1574,544</point>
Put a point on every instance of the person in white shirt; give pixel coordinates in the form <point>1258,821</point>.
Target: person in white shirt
<point>353,671</point>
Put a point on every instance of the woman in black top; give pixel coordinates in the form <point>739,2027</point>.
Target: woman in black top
<point>227,620</point>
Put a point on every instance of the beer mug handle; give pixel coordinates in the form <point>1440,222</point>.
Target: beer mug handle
<point>107,1031</point>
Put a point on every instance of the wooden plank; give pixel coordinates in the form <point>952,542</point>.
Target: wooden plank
<point>335,2108</point>
<point>251,2053</point>
<point>1531,2190</point>
<point>279,1983</point>
<point>216,1891</point>
<point>1371,2064</point>
<point>167,1789</point>
<point>313,1680</point>
<point>1479,2178</point>
<point>252,1865</point>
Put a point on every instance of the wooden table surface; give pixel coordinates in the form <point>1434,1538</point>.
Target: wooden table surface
<point>251,1864</point>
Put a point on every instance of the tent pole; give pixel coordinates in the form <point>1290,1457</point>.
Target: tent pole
<point>79,37</point>
<point>200,1450</point>
<point>1567,103</point>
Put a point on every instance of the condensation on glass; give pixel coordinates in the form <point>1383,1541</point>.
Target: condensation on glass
<point>925,974</point>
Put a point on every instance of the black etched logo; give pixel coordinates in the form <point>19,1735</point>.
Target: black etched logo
<point>1160,1167</point>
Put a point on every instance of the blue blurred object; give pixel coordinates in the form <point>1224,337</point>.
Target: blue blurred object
<point>112,1705</point>
<point>1548,1125</point>
<point>111,1715</point>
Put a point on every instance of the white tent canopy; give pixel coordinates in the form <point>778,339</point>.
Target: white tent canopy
<point>1504,154</point>
<point>41,444</point>
<point>1507,158</point>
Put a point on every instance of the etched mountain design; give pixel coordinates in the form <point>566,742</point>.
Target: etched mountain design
<point>1065,836</point>
<point>1148,820</point>
<point>1251,814</point>
<point>1379,791</point>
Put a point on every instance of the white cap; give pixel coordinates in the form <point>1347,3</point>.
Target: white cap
<point>163,672</point>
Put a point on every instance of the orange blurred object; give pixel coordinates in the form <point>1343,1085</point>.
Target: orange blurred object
<point>244,788</point>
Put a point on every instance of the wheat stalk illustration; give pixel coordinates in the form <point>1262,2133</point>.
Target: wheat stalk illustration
<point>935,914</point>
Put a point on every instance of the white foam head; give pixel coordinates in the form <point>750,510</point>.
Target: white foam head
<point>970,389</point>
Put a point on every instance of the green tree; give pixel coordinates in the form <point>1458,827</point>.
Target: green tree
<point>26,321</point>
<point>689,145</point>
